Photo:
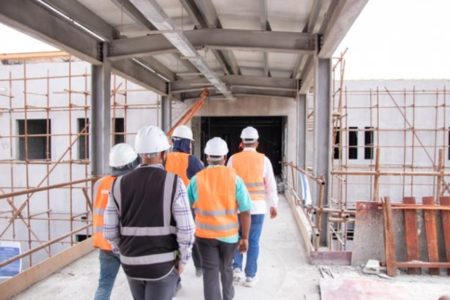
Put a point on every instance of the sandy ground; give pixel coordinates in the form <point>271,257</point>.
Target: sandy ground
<point>283,274</point>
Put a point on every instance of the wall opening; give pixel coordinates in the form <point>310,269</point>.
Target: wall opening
<point>270,131</point>
<point>34,139</point>
<point>119,130</point>
<point>83,140</point>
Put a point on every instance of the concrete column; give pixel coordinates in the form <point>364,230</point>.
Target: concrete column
<point>322,131</point>
<point>301,119</point>
<point>166,113</point>
<point>100,127</point>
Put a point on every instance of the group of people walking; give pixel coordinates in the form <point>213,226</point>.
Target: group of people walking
<point>144,214</point>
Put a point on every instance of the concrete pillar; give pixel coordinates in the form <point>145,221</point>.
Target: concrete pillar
<point>100,127</point>
<point>322,131</point>
<point>166,113</point>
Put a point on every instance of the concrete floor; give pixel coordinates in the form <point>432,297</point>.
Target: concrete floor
<point>283,271</point>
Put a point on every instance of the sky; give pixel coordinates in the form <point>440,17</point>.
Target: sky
<point>399,39</point>
<point>391,39</point>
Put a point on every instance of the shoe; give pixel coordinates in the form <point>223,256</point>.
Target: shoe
<point>198,272</point>
<point>238,276</point>
<point>250,281</point>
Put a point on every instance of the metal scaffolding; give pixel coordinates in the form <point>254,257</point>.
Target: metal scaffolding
<point>52,213</point>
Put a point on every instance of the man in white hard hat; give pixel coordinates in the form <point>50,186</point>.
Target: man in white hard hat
<point>257,172</point>
<point>122,159</point>
<point>216,194</point>
<point>149,219</point>
<point>181,162</point>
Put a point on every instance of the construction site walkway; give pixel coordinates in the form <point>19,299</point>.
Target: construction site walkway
<point>283,271</point>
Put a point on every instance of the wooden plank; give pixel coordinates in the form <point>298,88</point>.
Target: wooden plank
<point>389,238</point>
<point>423,264</point>
<point>42,270</point>
<point>445,215</point>
<point>431,234</point>
<point>411,235</point>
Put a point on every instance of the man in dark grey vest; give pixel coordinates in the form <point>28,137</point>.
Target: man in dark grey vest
<point>148,219</point>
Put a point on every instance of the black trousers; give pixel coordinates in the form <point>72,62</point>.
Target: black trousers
<point>217,259</point>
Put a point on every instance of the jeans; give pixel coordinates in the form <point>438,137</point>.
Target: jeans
<point>217,257</point>
<point>109,267</point>
<point>251,265</point>
<point>163,289</point>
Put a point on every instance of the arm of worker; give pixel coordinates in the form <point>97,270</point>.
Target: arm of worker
<point>111,219</point>
<point>185,224</point>
<point>194,166</point>
<point>244,204</point>
<point>270,186</point>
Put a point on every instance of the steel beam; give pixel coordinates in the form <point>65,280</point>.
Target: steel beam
<point>287,42</point>
<point>159,68</point>
<point>206,17</point>
<point>32,18</point>
<point>339,23</point>
<point>248,82</point>
<point>322,131</point>
<point>139,18</point>
<point>166,113</point>
<point>302,116</point>
<point>100,130</point>
<point>155,14</point>
<point>81,14</point>
<point>240,92</point>
<point>265,26</point>
<point>133,71</point>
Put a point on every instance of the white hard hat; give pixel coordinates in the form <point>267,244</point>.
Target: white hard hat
<point>249,133</point>
<point>216,147</point>
<point>151,139</point>
<point>121,155</point>
<point>184,132</point>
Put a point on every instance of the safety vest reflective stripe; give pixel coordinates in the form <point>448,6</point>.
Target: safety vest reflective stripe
<point>216,206</point>
<point>249,165</point>
<point>148,231</point>
<point>217,227</point>
<point>101,200</point>
<point>254,184</point>
<point>216,213</point>
<point>178,163</point>
<point>148,259</point>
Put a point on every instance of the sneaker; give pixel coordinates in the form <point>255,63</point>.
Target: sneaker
<point>198,272</point>
<point>250,281</point>
<point>238,276</point>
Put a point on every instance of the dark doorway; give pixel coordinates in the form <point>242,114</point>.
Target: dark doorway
<point>270,131</point>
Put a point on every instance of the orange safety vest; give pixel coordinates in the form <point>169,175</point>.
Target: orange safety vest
<point>216,206</point>
<point>249,165</point>
<point>101,199</point>
<point>177,162</point>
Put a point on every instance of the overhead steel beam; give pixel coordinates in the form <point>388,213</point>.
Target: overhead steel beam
<point>81,14</point>
<point>207,18</point>
<point>287,42</point>
<point>133,71</point>
<point>344,15</point>
<point>32,18</point>
<point>131,11</point>
<point>265,26</point>
<point>247,82</point>
<point>158,67</point>
<point>156,15</point>
<point>314,25</point>
<point>240,92</point>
